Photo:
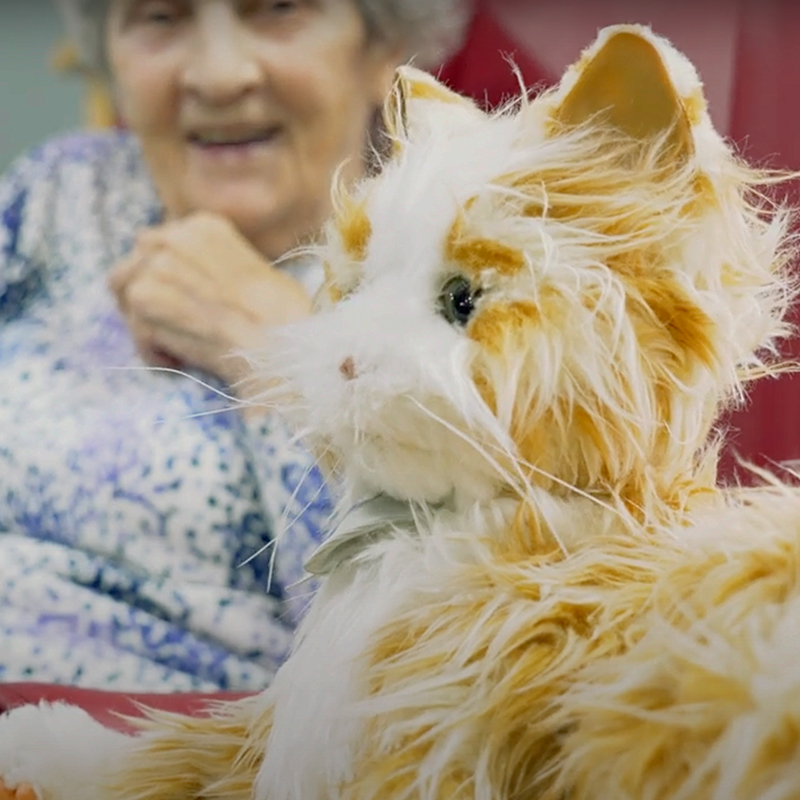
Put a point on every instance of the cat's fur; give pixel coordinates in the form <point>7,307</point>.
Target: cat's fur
<point>529,326</point>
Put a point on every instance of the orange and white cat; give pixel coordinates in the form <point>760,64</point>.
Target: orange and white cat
<point>530,323</point>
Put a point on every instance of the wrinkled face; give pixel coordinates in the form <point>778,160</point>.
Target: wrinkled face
<point>247,107</point>
<point>546,297</point>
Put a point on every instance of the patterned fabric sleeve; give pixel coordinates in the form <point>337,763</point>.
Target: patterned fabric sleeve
<point>32,205</point>
<point>138,511</point>
<point>17,185</point>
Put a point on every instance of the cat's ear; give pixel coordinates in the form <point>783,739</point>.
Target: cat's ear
<point>625,80</point>
<point>418,101</point>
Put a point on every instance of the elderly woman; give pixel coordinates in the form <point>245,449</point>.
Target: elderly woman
<point>138,505</point>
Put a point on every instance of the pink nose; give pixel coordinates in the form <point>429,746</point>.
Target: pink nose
<point>348,369</point>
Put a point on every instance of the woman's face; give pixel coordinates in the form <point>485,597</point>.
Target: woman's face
<point>247,107</point>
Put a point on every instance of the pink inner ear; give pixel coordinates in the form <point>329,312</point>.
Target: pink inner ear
<point>627,84</point>
<point>394,109</point>
<point>414,92</point>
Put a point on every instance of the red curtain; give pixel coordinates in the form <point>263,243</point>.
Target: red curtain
<point>481,69</point>
<point>766,125</point>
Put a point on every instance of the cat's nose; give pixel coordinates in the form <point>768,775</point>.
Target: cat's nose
<point>348,369</point>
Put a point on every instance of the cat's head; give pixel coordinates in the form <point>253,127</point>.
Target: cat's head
<point>562,294</point>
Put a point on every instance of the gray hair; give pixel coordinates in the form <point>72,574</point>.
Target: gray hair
<point>431,29</point>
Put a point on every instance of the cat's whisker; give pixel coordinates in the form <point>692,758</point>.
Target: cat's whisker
<point>236,403</point>
<point>523,489</point>
<point>301,251</point>
<point>306,598</point>
<point>526,489</point>
<point>210,413</point>
<point>298,437</point>
<point>288,521</point>
<point>182,373</point>
<point>479,448</point>
<point>254,555</point>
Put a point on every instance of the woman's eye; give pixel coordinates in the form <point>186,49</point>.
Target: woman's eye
<point>158,12</point>
<point>273,6</point>
<point>457,300</point>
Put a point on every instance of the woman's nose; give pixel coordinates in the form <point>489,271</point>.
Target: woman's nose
<point>222,64</point>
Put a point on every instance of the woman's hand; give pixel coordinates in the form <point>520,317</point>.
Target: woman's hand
<point>194,292</point>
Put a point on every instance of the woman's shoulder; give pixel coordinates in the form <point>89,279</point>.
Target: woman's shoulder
<point>94,160</point>
<point>84,162</point>
<point>85,187</point>
<point>91,149</point>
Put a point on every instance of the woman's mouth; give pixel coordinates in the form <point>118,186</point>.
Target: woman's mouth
<point>233,142</point>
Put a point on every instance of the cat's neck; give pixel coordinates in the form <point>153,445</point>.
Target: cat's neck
<point>541,521</point>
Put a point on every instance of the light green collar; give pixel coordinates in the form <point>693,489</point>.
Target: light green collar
<point>362,525</point>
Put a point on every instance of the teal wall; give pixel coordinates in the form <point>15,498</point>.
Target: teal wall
<point>35,101</point>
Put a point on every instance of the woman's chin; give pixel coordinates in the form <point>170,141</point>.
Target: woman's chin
<point>269,220</point>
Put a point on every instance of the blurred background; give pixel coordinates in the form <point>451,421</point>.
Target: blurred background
<point>35,100</point>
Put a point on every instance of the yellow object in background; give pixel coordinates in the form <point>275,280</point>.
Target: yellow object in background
<point>98,105</point>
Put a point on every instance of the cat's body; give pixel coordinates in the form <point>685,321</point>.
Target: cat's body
<point>529,325</point>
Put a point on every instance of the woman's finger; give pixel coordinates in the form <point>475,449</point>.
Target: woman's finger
<point>123,272</point>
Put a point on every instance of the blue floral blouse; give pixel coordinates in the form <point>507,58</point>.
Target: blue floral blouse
<point>133,502</point>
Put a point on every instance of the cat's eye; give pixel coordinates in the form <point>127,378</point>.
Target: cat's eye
<point>457,300</point>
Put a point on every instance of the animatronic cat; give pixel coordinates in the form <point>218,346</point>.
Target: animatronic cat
<point>530,323</point>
